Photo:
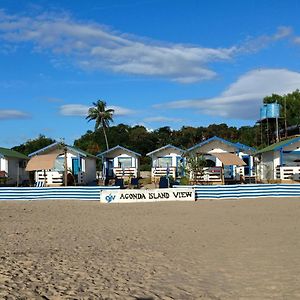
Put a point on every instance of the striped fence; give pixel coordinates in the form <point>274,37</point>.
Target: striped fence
<point>201,192</point>
<point>57,193</point>
<point>246,191</point>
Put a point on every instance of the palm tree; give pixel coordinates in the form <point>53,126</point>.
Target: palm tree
<point>102,117</point>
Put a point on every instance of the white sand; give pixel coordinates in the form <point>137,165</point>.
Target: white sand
<point>221,249</point>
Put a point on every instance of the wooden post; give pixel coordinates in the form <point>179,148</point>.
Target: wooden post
<point>45,178</point>
<point>223,175</point>
<point>66,166</point>
<point>18,173</point>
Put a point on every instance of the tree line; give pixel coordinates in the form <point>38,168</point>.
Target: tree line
<point>141,140</point>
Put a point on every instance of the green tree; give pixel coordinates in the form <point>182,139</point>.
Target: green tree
<point>289,112</point>
<point>102,117</point>
<point>87,142</point>
<point>119,135</point>
<point>33,145</point>
<point>164,136</point>
<point>248,135</point>
<point>196,165</point>
<point>187,136</point>
<point>289,106</point>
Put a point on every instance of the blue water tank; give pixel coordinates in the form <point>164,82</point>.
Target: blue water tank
<point>273,110</point>
<point>263,112</point>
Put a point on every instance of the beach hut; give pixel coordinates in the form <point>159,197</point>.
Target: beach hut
<point>167,160</point>
<point>280,161</point>
<point>53,163</point>
<point>119,162</point>
<point>12,167</point>
<point>225,161</point>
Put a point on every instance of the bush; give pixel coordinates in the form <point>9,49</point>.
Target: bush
<point>145,167</point>
<point>144,181</point>
<point>184,180</point>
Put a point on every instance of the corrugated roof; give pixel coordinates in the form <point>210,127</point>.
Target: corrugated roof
<point>12,153</point>
<point>278,145</point>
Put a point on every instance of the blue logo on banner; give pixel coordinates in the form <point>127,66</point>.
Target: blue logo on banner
<point>110,198</point>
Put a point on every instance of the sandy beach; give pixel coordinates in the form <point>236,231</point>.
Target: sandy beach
<point>220,249</point>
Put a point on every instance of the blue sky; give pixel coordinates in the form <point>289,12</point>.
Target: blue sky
<point>156,62</point>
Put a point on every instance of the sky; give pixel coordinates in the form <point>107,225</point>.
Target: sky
<point>155,62</point>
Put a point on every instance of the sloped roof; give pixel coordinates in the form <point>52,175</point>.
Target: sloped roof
<point>70,148</point>
<point>53,145</point>
<point>116,148</point>
<point>166,147</point>
<point>82,152</point>
<point>279,145</point>
<point>238,146</point>
<point>245,147</point>
<point>4,152</point>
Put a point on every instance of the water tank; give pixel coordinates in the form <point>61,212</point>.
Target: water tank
<point>263,112</point>
<point>273,110</point>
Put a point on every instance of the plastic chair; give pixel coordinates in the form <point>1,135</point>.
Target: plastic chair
<point>119,182</point>
<point>135,182</point>
<point>164,182</point>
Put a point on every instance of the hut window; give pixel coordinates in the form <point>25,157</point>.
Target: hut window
<point>59,165</point>
<point>164,162</point>
<point>125,162</point>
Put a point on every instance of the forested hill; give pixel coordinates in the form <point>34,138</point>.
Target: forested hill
<point>139,139</point>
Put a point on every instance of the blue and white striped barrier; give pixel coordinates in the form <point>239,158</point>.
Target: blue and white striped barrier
<point>201,192</point>
<point>246,191</point>
<point>43,193</point>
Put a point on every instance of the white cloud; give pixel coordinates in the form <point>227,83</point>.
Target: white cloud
<point>10,114</point>
<point>121,111</point>
<point>92,46</point>
<point>162,119</point>
<point>282,32</point>
<point>257,43</point>
<point>243,98</point>
<point>296,40</point>
<point>82,110</point>
<point>74,110</point>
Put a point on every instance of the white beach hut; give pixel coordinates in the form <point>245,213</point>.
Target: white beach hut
<point>280,161</point>
<point>226,161</point>
<point>120,162</point>
<point>12,167</point>
<point>49,165</point>
<point>167,160</point>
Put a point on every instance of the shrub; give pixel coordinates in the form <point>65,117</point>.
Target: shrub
<point>184,180</point>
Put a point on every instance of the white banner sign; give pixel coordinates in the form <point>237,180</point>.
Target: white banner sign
<point>135,196</point>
